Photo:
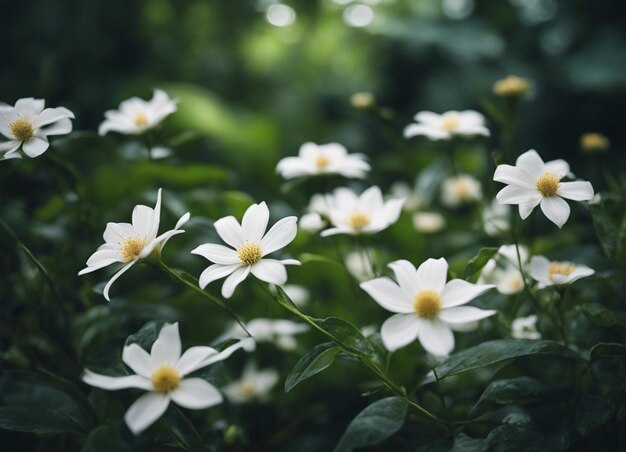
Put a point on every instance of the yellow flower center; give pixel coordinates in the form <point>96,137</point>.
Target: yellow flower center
<point>249,253</point>
<point>548,184</point>
<point>594,142</point>
<point>450,123</point>
<point>427,303</point>
<point>358,220</point>
<point>560,268</point>
<point>511,86</point>
<point>516,283</point>
<point>165,379</point>
<point>322,162</point>
<point>22,129</point>
<point>247,389</point>
<point>141,119</point>
<point>132,248</point>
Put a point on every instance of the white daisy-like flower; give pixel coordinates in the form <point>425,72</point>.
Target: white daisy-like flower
<point>553,273</point>
<point>461,189</point>
<point>503,270</point>
<point>250,244</point>
<point>28,124</point>
<point>496,218</point>
<point>429,222</point>
<point>364,214</point>
<point>129,243</point>
<point>254,385</point>
<point>531,182</point>
<point>332,158</point>
<point>426,306</point>
<point>162,373</point>
<point>134,116</point>
<point>280,332</point>
<point>447,125</point>
<point>525,328</point>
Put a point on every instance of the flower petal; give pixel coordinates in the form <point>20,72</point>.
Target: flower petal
<point>35,146</point>
<point>146,410</point>
<point>105,292</point>
<point>254,222</point>
<point>196,394</point>
<point>458,292</point>
<point>231,283</point>
<point>191,359</point>
<point>400,330</point>
<point>432,274</point>
<point>406,275</point>
<point>229,231</point>
<point>50,115</point>
<point>142,221</point>
<point>513,194</point>
<point>271,271</point>
<point>214,272</point>
<point>464,314</point>
<point>246,343</point>
<point>526,208</point>
<point>576,191</point>
<point>217,253</point>
<point>114,383</point>
<point>560,168</point>
<point>556,209</point>
<point>530,162</point>
<point>135,357</point>
<point>389,295</point>
<point>513,175</point>
<point>538,269</point>
<point>280,235</point>
<point>166,349</point>
<point>436,337</point>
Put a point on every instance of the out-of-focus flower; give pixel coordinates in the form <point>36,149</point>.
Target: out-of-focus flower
<point>161,372</point>
<point>298,294</point>
<point>332,158</point>
<point>358,264</point>
<point>525,328</point>
<point>280,332</point>
<point>461,189</point>
<point>364,214</point>
<point>313,221</point>
<point>594,142</point>
<point>512,87</point>
<point>429,222</point>
<point>426,306</point>
<point>129,243</point>
<point>552,273</point>
<point>403,190</point>
<point>254,385</point>
<point>135,116</point>
<point>597,199</point>
<point>250,244</point>
<point>28,124</point>
<point>447,125</point>
<point>531,182</point>
<point>503,270</point>
<point>363,100</point>
<point>496,218</point>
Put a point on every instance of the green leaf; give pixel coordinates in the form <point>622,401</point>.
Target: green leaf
<point>605,349</point>
<point>464,443</point>
<point>477,263</point>
<point>106,438</point>
<point>349,336</point>
<point>318,359</point>
<point>497,351</point>
<point>511,391</point>
<point>600,315</point>
<point>146,336</point>
<point>595,411</point>
<point>374,424</point>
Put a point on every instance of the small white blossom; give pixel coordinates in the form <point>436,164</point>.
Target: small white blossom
<point>298,294</point>
<point>28,124</point>
<point>426,306</point>
<point>531,182</point>
<point>496,218</point>
<point>135,116</point>
<point>461,189</point>
<point>358,264</point>
<point>503,270</point>
<point>129,243</point>
<point>552,273</point>
<point>447,125</point>
<point>403,190</point>
<point>280,332</point>
<point>254,385</point>
<point>332,158</point>
<point>429,222</point>
<point>250,244</point>
<point>525,328</point>
<point>162,373</point>
<point>365,214</point>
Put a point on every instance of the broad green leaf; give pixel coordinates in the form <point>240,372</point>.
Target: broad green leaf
<point>512,391</point>
<point>106,438</point>
<point>595,411</point>
<point>600,315</point>
<point>374,424</point>
<point>318,359</point>
<point>477,263</point>
<point>497,351</point>
<point>146,336</point>
<point>464,443</point>
<point>348,335</point>
<point>605,349</point>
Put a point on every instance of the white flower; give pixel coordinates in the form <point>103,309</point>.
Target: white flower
<point>311,222</point>
<point>358,264</point>
<point>254,385</point>
<point>330,158</point>
<point>525,328</point>
<point>548,273</point>
<point>447,125</point>
<point>250,245</point>
<point>404,190</point>
<point>461,189</point>
<point>426,306</point>
<point>277,331</point>
<point>162,372</point>
<point>28,125</point>
<point>429,222</point>
<point>136,115</point>
<point>364,214</point>
<point>532,182</point>
<point>503,270</point>
<point>496,218</point>
<point>298,294</point>
<point>129,243</point>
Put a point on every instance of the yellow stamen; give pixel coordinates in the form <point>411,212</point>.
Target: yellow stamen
<point>427,303</point>
<point>561,269</point>
<point>511,86</point>
<point>165,379</point>
<point>358,220</point>
<point>450,123</point>
<point>141,119</point>
<point>249,253</point>
<point>22,129</point>
<point>548,184</point>
<point>132,248</point>
<point>322,162</point>
<point>247,389</point>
